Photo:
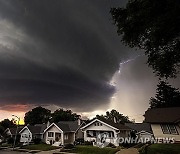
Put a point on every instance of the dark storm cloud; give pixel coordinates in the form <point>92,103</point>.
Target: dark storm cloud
<point>58,52</point>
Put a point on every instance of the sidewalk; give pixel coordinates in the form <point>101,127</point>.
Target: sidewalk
<point>128,151</point>
<point>56,151</point>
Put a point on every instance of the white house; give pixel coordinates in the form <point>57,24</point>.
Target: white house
<point>143,130</point>
<point>165,122</point>
<point>28,133</point>
<point>103,132</point>
<point>64,132</point>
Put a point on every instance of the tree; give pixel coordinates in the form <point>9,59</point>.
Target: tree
<point>62,115</point>
<point>38,115</point>
<point>114,116</point>
<point>6,123</point>
<point>166,96</point>
<point>153,26</point>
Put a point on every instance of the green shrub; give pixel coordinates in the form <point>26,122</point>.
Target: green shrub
<point>88,143</point>
<point>68,146</point>
<point>111,145</point>
<point>10,140</point>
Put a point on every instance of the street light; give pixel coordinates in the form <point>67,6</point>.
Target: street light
<point>16,130</point>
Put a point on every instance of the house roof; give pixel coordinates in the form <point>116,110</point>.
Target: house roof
<point>37,129</point>
<point>140,127</point>
<point>43,127</point>
<point>66,126</point>
<point>163,115</point>
<point>13,130</point>
<point>110,123</point>
<point>116,125</point>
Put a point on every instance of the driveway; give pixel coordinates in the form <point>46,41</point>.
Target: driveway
<point>128,151</point>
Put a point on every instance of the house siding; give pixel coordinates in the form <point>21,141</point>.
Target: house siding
<point>53,129</point>
<point>157,131</point>
<point>104,128</point>
<point>26,136</point>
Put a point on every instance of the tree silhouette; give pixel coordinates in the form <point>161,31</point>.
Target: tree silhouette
<point>166,96</point>
<point>38,115</point>
<point>114,116</point>
<point>64,115</point>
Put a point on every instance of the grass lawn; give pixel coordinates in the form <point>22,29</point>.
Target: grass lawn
<point>6,145</point>
<point>93,150</point>
<point>42,147</point>
<point>164,149</point>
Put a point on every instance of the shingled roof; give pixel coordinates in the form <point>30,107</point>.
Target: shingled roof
<point>66,126</point>
<point>140,127</point>
<point>116,125</point>
<point>163,115</point>
<point>70,126</point>
<point>13,130</point>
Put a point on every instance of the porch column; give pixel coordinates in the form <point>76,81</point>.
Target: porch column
<point>85,136</point>
<point>62,138</point>
<point>54,136</point>
<point>74,137</point>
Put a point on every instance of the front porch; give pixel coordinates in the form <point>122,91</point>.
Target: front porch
<point>101,138</point>
<point>57,138</point>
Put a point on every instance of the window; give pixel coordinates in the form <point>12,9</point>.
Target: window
<point>50,134</point>
<point>66,136</point>
<point>98,124</point>
<point>169,129</point>
<point>91,133</point>
<point>165,129</point>
<point>172,129</point>
<point>94,133</point>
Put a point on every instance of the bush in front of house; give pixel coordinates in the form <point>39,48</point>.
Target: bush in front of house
<point>88,142</point>
<point>68,146</point>
<point>10,140</point>
<point>37,140</point>
<point>79,141</point>
<point>111,145</point>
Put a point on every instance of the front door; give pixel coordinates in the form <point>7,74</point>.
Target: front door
<point>57,137</point>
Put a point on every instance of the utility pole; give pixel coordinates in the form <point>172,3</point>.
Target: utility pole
<point>16,131</point>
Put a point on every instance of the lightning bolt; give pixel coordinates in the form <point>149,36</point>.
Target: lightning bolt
<point>127,61</point>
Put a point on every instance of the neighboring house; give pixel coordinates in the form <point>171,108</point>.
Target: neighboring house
<point>64,132</point>
<point>165,122</point>
<point>143,130</point>
<point>11,132</point>
<point>103,132</point>
<point>28,133</point>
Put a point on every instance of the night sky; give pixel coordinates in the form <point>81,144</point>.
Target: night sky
<point>66,53</point>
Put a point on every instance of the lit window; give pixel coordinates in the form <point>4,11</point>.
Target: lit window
<point>50,134</point>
